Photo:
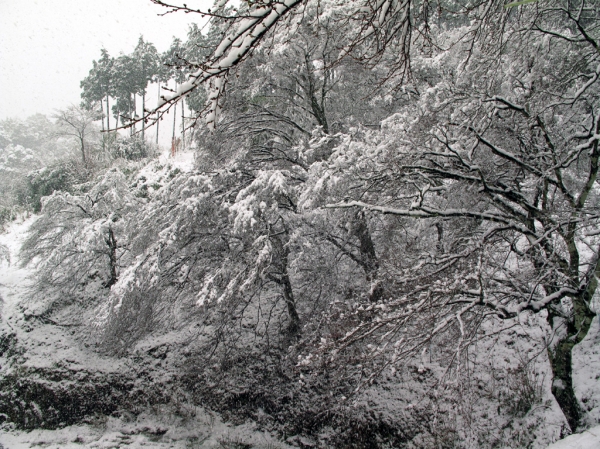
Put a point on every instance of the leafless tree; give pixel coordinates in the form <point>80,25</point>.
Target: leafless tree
<point>78,124</point>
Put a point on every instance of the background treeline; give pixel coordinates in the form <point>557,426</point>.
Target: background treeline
<point>41,155</point>
<point>118,86</point>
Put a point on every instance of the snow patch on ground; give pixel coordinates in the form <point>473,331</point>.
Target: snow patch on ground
<point>160,429</point>
<point>183,160</point>
<point>157,173</point>
<point>14,279</point>
<point>590,439</point>
<point>586,373</point>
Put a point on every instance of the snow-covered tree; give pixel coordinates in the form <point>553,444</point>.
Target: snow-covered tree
<point>493,169</point>
<point>78,244</point>
<point>77,125</point>
<point>99,85</point>
<point>147,61</point>
<point>384,180</point>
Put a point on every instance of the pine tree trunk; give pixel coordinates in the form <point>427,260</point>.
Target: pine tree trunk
<point>107,113</point>
<point>103,129</point>
<point>183,123</point>
<point>173,143</point>
<point>157,121</point>
<point>102,112</point>
<point>174,118</point>
<point>132,116</point>
<point>143,112</point>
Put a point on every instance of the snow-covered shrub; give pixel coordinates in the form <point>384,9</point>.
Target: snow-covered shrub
<point>4,254</point>
<point>131,148</point>
<point>15,164</point>
<point>131,318</point>
<point>46,181</point>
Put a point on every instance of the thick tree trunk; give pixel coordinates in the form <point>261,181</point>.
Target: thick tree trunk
<point>368,256</point>
<point>282,278</point>
<point>562,382</point>
<point>560,355</point>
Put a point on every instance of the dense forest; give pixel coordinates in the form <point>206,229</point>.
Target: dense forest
<point>377,226</point>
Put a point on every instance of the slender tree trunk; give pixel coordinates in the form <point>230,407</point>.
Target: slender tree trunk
<point>103,135</point>
<point>183,123</point>
<point>440,237</point>
<point>288,296</point>
<point>319,113</point>
<point>107,114</point>
<point>318,108</point>
<point>173,142</point>
<point>83,158</point>
<point>111,242</point>
<point>157,121</point>
<point>102,111</point>
<point>133,114</point>
<point>143,112</point>
<point>174,118</point>
<point>368,256</point>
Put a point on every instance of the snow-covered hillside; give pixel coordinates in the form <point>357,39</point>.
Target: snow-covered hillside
<point>388,235</point>
<point>53,352</point>
<point>66,373</point>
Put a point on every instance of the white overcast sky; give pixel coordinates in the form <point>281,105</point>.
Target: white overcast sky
<point>47,46</point>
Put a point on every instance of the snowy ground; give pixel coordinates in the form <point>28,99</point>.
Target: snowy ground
<point>586,373</point>
<point>589,439</point>
<point>150,431</point>
<point>13,279</point>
